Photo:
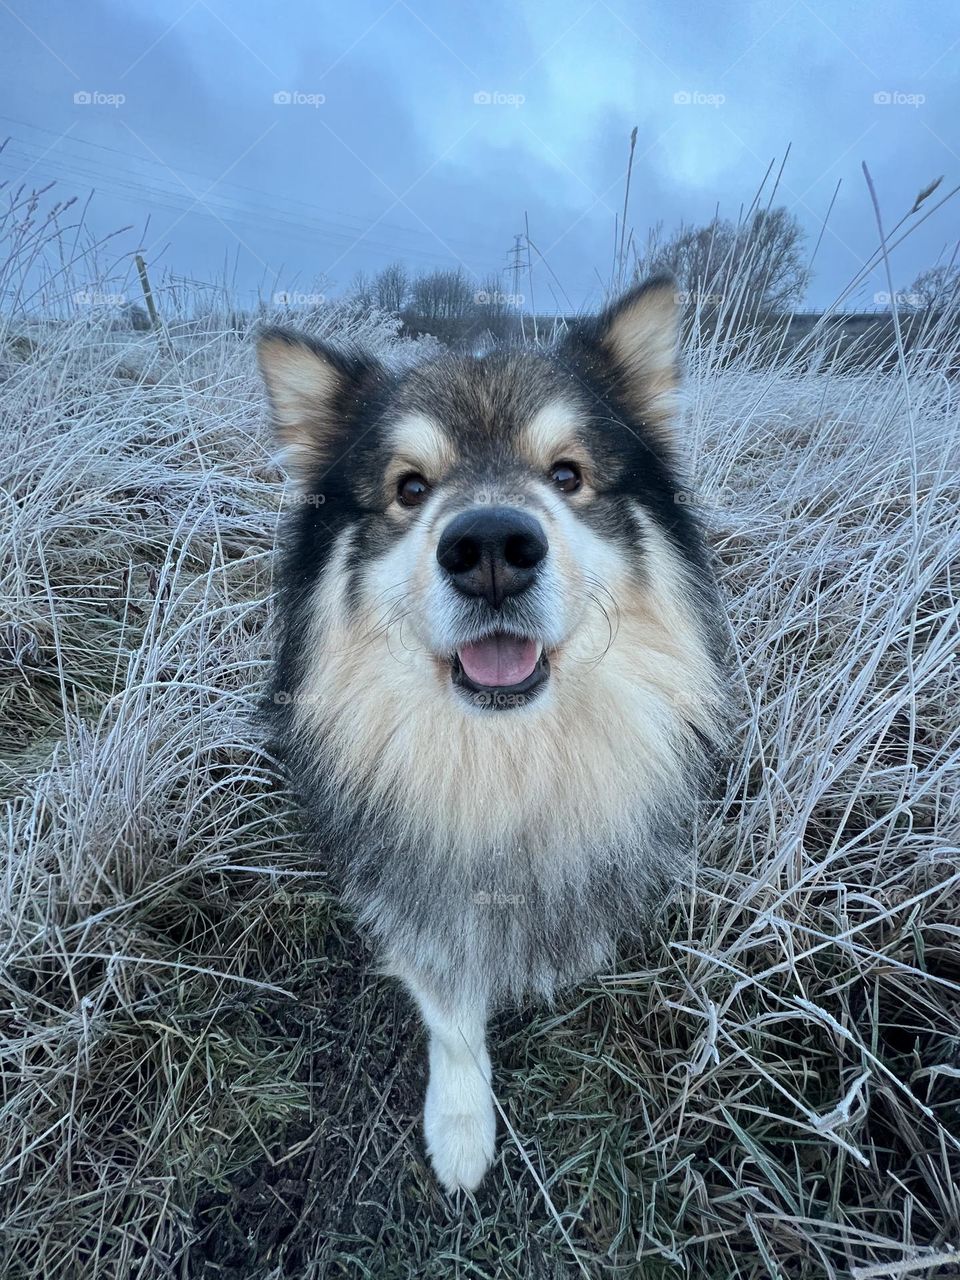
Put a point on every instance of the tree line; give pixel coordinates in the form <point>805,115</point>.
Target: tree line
<point>445,302</point>
<point>731,276</point>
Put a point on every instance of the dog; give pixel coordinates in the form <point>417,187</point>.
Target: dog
<point>499,681</point>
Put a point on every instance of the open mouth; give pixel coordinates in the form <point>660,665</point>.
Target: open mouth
<point>500,671</point>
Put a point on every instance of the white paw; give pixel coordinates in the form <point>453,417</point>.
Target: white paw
<point>460,1144</point>
<point>458,1117</point>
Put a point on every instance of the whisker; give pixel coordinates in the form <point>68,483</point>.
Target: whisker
<point>419,648</point>
<point>384,620</point>
<point>394,587</point>
<point>594,595</point>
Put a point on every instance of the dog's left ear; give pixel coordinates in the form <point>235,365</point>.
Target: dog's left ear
<point>637,341</point>
<point>315,393</point>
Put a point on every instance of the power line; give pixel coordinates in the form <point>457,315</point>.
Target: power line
<point>264,199</point>
<point>263,216</point>
<point>152,195</point>
<point>148,192</point>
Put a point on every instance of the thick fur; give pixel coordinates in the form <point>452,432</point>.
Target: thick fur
<point>494,853</point>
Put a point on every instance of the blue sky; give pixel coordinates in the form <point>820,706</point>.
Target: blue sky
<point>427,131</point>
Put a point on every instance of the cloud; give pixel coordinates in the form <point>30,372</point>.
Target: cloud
<point>319,145</point>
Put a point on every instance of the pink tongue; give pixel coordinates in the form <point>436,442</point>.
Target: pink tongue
<point>499,660</point>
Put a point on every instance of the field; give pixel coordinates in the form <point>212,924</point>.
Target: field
<point>203,1075</point>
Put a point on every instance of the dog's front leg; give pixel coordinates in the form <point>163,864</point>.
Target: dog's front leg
<point>458,1116</point>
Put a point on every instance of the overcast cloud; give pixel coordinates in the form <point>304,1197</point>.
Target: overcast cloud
<point>425,130</point>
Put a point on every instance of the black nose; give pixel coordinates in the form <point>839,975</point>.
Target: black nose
<point>492,552</point>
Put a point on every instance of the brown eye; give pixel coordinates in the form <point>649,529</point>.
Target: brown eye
<point>566,476</point>
<point>412,490</point>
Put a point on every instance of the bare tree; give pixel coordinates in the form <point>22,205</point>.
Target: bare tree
<point>935,288</point>
<point>497,311</point>
<point>743,269</point>
<point>442,295</point>
<point>361,291</point>
<point>391,288</point>
<point>771,256</point>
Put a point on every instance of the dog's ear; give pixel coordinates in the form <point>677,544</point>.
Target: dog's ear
<point>637,342</point>
<point>314,392</point>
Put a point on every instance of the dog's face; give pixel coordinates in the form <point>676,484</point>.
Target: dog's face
<point>491,524</point>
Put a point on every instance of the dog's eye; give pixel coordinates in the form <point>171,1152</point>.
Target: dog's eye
<point>566,476</point>
<point>412,490</point>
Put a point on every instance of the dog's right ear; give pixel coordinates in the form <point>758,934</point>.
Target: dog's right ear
<point>314,391</point>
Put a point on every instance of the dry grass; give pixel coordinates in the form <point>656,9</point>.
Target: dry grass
<point>203,1077</point>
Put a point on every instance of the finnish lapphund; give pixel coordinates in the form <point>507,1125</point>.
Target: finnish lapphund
<point>499,684</point>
